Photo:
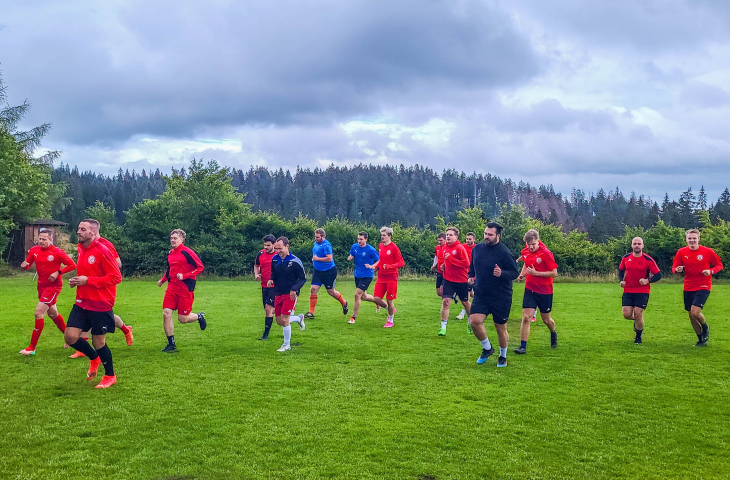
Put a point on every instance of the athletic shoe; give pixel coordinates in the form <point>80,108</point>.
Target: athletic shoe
<point>264,337</point>
<point>637,341</point>
<point>76,354</point>
<point>705,332</point>
<point>461,314</point>
<point>502,362</point>
<point>129,337</point>
<point>351,320</point>
<point>377,308</point>
<point>442,332</point>
<point>201,320</point>
<point>701,343</point>
<point>107,381</point>
<point>521,350</point>
<point>553,339</point>
<point>389,324</point>
<point>309,315</point>
<point>468,329</point>
<point>485,355</point>
<point>284,348</point>
<point>27,351</point>
<point>345,309</point>
<point>93,367</point>
<point>301,322</point>
<point>169,348</point>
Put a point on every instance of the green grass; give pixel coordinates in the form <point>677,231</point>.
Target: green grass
<point>358,401</point>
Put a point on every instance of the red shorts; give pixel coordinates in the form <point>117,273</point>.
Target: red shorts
<point>387,290</point>
<point>48,294</point>
<point>180,301</point>
<point>284,305</point>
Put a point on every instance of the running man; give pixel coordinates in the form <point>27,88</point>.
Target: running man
<point>262,271</point>
<point>636,271</point>
<point>325,272</point>
<point>699,264</point>
<point>456,276</point>
<point>386,286</point>
<point>538,270</point>
<point>96,291</point>
<point>287,279</point>
<point>492,272</point>
<point>471,240</point>
<point>438,264</point>
<point>365,256</point>
<point>183,267</point>
<point>48,259</point>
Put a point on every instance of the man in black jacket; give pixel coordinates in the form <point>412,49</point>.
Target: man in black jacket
<point>492,271</point>
<point>287,278</point>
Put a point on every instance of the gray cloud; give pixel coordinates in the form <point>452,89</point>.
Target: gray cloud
<point>703,95</point>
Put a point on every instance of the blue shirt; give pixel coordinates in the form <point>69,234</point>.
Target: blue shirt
<point>362,255</point>
<point>322,250</point>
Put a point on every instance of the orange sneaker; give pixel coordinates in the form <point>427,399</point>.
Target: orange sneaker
<point>93,367</point>
<point>107,381</point>
<point>76,355</point>
<point>129,336</point>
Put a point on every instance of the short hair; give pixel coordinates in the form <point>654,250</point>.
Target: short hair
<point>320,231</point>
<point>387,230</point>
<point>531,235</point>
<point>453,229</point>
<point>179,232</point>
<point>269,238</point>
<point>692,230</point>
<point>441,235</point>
<point>471,234</point>
<point>284,241</point>
<point>92,222</point>
<point>495,226</point>
<point>363,234</point>
<point>47,231</point>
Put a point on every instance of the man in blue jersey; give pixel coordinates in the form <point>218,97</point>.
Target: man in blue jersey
<point>364,256</point>
<point>325,272</point>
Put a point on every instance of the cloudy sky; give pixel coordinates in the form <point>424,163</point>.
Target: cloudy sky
<point>577,93</point>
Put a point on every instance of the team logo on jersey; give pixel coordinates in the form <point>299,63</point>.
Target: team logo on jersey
<point>539,260</point>
<point>92,259</point>
<point>50,258</point>
<point>363,254</point>
<point>387,252</point>
<point>289,264</point>
<point>700,257</point>
<point>453,252</point>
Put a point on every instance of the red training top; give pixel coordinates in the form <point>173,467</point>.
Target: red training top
<point>694,261</point>
<point>263,260</point>
<point>110,246</point>
<point>48,261</point>
<point>542,261</point>
<point>182,260</point>
<point>637,268</point>
<point>456,263</point>
<point>469,248</point>
<point>99,265</point>
<point>439,252</point>
<point>391,258</point>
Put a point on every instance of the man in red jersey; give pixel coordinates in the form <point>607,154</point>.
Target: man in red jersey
<point>262,271</point>
<point>438,263</point>
<point>386,286</point>
<point>538,271</point>
<point>456,276</point>
<point>96,290</point>
<point>471,240</point>
<point>183,267</point>
<point>698,264</point>
<point>48,259</point>
<point>636,271</point>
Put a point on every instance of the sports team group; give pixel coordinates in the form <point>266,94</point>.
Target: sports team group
<point>478,275</point>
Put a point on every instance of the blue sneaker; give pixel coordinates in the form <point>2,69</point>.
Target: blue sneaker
<point>201,320</point>
<point>502,362</point>
<point>485,355</point>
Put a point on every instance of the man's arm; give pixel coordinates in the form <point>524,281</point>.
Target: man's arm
<point>193,260</point>
<point>301,277</point>
<point>677,264</point>
<point>112,274</point>
<point>510,272</point>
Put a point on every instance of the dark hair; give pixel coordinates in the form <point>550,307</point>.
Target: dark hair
<point>364,234</point>
<point>472,234</point>
<point>91,221</point>
<point>283,240</point>
<point>269,238</point>
<point>441,235</point>
<point>495,226</point>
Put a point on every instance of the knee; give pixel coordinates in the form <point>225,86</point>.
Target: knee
<point>475,322</point>
<point>181,318</point>
<point>70,337</point>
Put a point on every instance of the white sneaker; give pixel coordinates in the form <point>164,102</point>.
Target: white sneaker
<point>377,308</point>
<point>284,348</point>
<point>460,316</point>
<point>301,322</point>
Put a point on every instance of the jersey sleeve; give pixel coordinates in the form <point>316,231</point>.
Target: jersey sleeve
<point>30,259</point>
<point>112,274</point>
<point>66,260</point>
<point>622,265</point>
<point>327,249</point>
<point>716,263</point>
<point>510,270</point>
<point>193,260</point>
<point>301,277</point>
<point>257,261</point>
<point>653,267</point>
<point>550,262</point>
<point>677,262</point>
<point>374,255</point>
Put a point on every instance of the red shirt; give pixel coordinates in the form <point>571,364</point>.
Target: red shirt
<point>110,246</point>
<point>99,265</point>
<point>542,261</point>
<point>637,268</point>
<point>263,260</point>
<point>48,261</point>
<point>183,260</point>
<point>694,261</point>
<point>456,263</point>
<point>439,252</point>
<point>391,257</point>
<point>469,248</point>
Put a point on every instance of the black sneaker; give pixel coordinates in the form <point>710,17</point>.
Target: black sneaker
<point>309,315</point>
<point>553,339</point>
<point>171,347</point>
<point>502,362</point>
<point>345,309</point>
<point>701,343</point>
<point>485,355</point>
<point>637,341</point>
<point>201,320</point>
<point>705,332</point>
<point>521,350</point>
<point>265,336</point>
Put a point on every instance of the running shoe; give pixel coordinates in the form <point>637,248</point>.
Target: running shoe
<point>554,339</point>
<point>468,329</point>
<point>351,320</point>
<point>345,308</point>
<point>461,314</point>
<point>485,355</point>
<point>637,341</point>
<point>93,367</point>
<point>107,381</point>
<point>521,351</point>
<point>201,320</point>
<point>76,354</point>
<point>309,315</point>
<point>27,351</point>
<point>442,332</point>
<point>264,337</point>
<point>129,337</point>
<point>169,348</point>
<point>389,324</point>
<point>502,362</point>
<point>284,348</point>
<point>301,322</point>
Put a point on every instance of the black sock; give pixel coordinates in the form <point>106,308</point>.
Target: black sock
<point>269,321</point>
<point>83,346</point>
<point>699,337</point>
<point>704,328</point>
<point>638,333</point>
<point>106,359</point>
<point>171,339</point>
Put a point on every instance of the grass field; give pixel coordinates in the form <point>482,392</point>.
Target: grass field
<point>358,401</point>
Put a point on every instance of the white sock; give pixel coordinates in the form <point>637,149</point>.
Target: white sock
<point>485,344</point>
<point>294,318</point>
<point>503,352</point>
<point>390,318</point>
<point>443,323</point>
<point>287,334</point>
<point>463,312</point>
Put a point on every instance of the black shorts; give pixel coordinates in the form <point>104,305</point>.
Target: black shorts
<point>696,298</point>
<point>326,278</point>
<point>471,288</point>
<point>267,296</point>
<point>640,300</point>
<point>543,301</point>
<point>454,290</point>
<point>439,280</point>
<point>100,323</point>
<point>499,310</point>
<point>363,283</point>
